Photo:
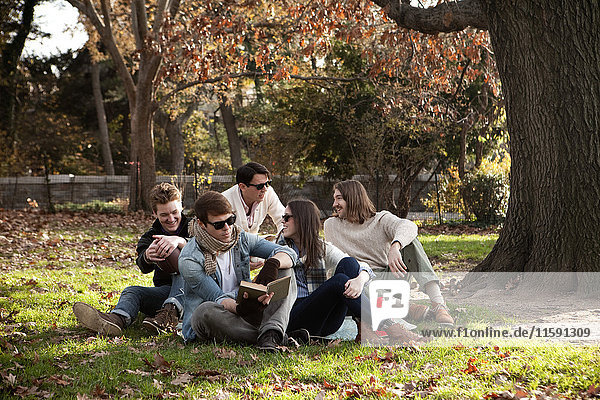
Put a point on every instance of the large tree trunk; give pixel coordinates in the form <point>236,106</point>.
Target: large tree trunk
<point>549,63</point>
<point>235,147</point>
<point>102,125</point>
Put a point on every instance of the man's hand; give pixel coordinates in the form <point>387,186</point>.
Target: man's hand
<point>395,261</point>
<point>164,245</point>
<point>152,254</point>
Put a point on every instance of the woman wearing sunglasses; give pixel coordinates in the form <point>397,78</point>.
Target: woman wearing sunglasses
<point>329,282</point>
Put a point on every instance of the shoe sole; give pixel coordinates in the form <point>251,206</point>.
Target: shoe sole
<point>153,328</point>
<point>88,317</point>
<point>300,336</point>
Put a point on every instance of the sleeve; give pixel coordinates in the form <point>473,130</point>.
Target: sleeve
<point>276,209</point>
<point>398,229</point>
<point>145,242</point>
<point>259,247</point>
<point>333,256</point>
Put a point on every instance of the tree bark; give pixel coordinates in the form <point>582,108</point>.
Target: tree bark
<point>103,138</point>
<point>548,59</point>
<point>235,147</point>
<point>549,63</point>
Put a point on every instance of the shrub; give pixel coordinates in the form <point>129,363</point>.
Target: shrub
<point>485,195</point>
<point>95,206</point>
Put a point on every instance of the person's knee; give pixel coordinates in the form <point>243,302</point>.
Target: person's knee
<point>348,266</point>
<point>132,290</point>
<point>338,283</point>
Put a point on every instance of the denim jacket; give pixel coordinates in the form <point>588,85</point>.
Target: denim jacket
<point>200,287</point>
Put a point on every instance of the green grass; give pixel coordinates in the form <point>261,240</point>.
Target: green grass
<point>457,251</point>
<point>44,353</point>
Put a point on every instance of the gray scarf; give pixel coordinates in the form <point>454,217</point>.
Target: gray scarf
<point>211,246</point>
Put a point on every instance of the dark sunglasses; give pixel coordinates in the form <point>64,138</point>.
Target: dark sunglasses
<point>221,224</point>
<point>260,186</point>
<point>286,217</point>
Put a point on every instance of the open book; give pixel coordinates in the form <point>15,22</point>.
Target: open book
<point>279,286</point>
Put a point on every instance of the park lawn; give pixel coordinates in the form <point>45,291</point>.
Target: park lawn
<point>457,252</point>
<point>50,263</point>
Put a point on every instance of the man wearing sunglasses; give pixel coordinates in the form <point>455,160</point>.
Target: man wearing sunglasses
<point>214,263</point>
<point>253,198</point>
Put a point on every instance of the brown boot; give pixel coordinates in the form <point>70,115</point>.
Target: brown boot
<point>417,312</point>
<point>441,314</point>
<point>109,324</point>
<point>165,320</point>
<point>366,335</point>
<point>399,335</point>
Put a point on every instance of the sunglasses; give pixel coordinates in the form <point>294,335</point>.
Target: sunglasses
<point>286,217</point>
<point>221,224</point>
<point>260,186</point>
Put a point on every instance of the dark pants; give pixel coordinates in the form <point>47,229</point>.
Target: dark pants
<point>323,311</point>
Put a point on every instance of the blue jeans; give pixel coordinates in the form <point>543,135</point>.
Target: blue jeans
<point>323,311</point>
<point>150,299</point>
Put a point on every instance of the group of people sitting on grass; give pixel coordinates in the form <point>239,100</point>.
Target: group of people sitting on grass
<point>199,263</point>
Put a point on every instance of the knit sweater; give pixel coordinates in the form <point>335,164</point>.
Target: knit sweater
<point>370,241</point>
<point>269,206</point>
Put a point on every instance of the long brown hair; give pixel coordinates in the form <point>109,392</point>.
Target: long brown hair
<point>307,219</point>
<point>359,206</point>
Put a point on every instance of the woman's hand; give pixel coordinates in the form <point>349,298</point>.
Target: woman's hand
<point>354,286</point>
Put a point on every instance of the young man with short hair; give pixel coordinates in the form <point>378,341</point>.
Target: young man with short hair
<point>253,198</point>
<point>157,252</point>
<point>385,242</point>
<point>214,263</point>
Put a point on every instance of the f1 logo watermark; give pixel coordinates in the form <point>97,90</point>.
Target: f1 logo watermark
<point>388,299</point>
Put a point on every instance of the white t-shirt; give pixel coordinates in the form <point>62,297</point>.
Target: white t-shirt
<point>228,277</point>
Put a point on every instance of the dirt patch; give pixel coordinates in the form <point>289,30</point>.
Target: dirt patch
<point>553,315</point>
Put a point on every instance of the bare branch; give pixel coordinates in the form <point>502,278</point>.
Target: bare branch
<point>451,16</point>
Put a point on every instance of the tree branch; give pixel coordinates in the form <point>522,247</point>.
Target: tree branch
<point>86,8</point>
<point>451,16</point>
<point>179,88</point>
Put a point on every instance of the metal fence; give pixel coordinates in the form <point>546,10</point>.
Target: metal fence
<point>23,192</point>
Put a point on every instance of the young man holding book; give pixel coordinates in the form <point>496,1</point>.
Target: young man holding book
<point>157,252</point>
<point>213,265</point>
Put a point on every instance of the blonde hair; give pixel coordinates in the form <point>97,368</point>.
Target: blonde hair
<point>163,193</point>
<point>359,206</point>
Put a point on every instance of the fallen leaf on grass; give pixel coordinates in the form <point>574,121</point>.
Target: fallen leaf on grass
<point>159,364</point>
<point>220,352</point>
<point>137,372</point>
<point>594,391</point>
<point>10,378</point>
<point>211,375</point>
<point>182,379</point>
<point>62,380</point>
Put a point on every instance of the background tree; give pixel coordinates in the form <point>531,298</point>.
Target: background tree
<point>138,70</point>
<point>16,22</point>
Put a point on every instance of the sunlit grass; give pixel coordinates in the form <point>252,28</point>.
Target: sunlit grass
<point>44,353</point>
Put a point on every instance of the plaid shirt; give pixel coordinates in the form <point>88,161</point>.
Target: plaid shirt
<point>309,281</point>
